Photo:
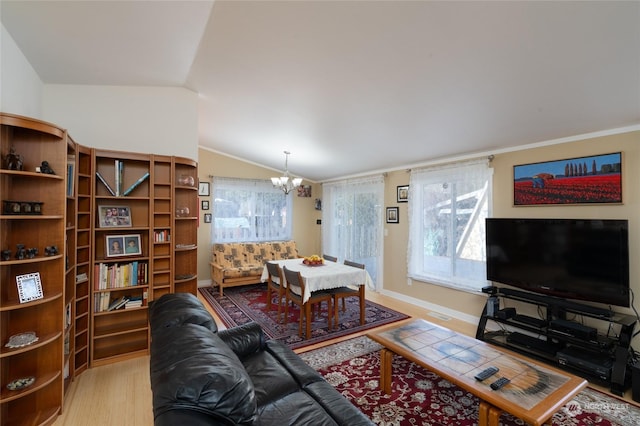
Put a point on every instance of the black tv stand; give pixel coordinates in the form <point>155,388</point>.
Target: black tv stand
<point>560,341</point>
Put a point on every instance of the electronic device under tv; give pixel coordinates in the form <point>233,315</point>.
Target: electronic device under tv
<point>583,259</point>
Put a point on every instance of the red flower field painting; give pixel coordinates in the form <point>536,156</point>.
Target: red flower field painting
<point>586,180</point>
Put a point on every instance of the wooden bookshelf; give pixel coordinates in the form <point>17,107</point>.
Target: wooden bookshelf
<point>43,359</point>
<point>167,240</point>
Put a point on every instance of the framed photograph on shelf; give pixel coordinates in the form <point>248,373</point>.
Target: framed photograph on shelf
<point>203,189</point>
<point>392,215</point>
<point>29,287</point>
<point>402,194</point>
<point>114,217</point>
<point>123,245</point>
<point>205,204</point>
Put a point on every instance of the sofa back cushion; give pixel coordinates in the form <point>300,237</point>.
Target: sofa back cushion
<point>211,380</point>
<point>284,250</point>
<point>229,255</point>
<point>176,309</point>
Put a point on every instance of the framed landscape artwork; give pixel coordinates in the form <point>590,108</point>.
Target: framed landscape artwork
<point>583,180</point>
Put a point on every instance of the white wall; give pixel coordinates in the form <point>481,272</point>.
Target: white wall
<point>20,86</point>
<point>158,120</point>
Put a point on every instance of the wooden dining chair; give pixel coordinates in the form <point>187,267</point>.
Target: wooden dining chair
<point>274,284</point>
<point>295,293</point>
<point>329,258</point>
<point>344,292</point>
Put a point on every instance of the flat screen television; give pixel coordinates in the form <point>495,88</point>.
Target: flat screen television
<point>568,258</point>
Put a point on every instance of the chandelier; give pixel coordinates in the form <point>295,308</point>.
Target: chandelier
<point>285,182</point>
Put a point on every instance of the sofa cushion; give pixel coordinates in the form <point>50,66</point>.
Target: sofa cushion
<point>229,255</point>
<point>174,310</point>
<point>211,379</point>
<point>284,250</point>
<point>242,271</point>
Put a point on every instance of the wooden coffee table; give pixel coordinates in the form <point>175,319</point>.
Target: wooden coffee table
<point>535,393</point>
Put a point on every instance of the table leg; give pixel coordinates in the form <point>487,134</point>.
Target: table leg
<point>307,314</point>
<point>386,362</point>
<point>362,304</point>
<point>483,414</point>
<point>494,416</point>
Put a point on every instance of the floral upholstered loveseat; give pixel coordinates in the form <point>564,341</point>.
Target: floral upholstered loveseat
<point>234,264</point>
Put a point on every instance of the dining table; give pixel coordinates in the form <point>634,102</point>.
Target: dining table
<point>325,276</point>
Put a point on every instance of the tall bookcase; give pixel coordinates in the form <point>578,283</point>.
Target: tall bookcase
<point>37,226</point>
<point>185,225</point>
<point>82,302</point>
<point>154,204</point>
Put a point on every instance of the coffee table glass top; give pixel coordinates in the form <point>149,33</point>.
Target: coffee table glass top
<point>464,357</point>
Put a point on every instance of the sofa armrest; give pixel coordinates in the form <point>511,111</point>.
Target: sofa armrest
<point>245,339</point>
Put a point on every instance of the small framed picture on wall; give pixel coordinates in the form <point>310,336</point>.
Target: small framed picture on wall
<point>392,215</point>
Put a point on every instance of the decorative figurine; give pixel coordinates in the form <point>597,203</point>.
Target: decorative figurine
<point>21,253</point>
<point>6,254</point>
<point>50,250</point>
<point>13,161</point>
<point>46,169</point>
<point>32,252</point>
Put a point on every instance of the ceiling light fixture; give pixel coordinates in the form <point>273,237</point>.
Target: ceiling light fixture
<point>285,182</point>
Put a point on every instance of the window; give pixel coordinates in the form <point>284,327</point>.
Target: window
<point>249,210</point>
<point>448,206</point>
<point>352,222</point>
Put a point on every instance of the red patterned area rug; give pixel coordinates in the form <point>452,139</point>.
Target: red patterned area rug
<point>241,305</point>
<point>420,397</point>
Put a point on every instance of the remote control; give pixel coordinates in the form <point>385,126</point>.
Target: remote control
<point>486,373</point>
<point>499,383</point>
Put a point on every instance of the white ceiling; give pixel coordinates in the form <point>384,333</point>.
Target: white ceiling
<point>354,86</point>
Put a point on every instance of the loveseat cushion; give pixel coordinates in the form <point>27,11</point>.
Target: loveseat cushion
<point>211,379</point>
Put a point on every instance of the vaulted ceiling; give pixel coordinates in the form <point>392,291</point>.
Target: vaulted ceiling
<point>354,86</point>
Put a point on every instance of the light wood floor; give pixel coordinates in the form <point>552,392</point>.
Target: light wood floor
<point>120,393</point>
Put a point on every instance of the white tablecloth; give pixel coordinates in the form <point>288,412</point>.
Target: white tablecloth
<point>329,275</point>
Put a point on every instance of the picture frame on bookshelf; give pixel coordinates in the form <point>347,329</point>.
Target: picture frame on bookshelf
<point>29,287</point>
<point>114,217</point>
<point>123,245</point>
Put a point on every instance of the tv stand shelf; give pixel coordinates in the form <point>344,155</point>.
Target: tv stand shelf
<point>568,344</point>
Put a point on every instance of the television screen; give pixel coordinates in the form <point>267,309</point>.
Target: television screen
<point>569,258</point>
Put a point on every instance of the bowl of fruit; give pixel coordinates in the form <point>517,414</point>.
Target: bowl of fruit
<point>313,260</point>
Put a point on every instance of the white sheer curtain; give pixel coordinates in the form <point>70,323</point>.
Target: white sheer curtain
<point>352,226</point>
<point>448,205</point>
<point>249,210</point>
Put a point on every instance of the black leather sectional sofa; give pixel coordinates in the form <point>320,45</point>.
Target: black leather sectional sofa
<point>200,376</point>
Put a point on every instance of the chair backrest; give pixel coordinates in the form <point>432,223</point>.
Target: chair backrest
<point>354,264</point>
<point>329,258</point>
<point>294,279</point>
<point>275,273</point>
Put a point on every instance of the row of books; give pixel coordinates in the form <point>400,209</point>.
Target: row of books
<point>119,181</point>
<point>114,275</point>
<point>104,303</point>
<point>161,236</point>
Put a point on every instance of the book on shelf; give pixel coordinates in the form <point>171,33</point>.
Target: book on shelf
<point>71,165</point>
<point>81,277</point>
<point>136,183</point>
<point>118,303</point>
<point>108,276</point>
<point>105,183</point>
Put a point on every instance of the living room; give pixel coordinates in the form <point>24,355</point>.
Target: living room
<point>151,119</point>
